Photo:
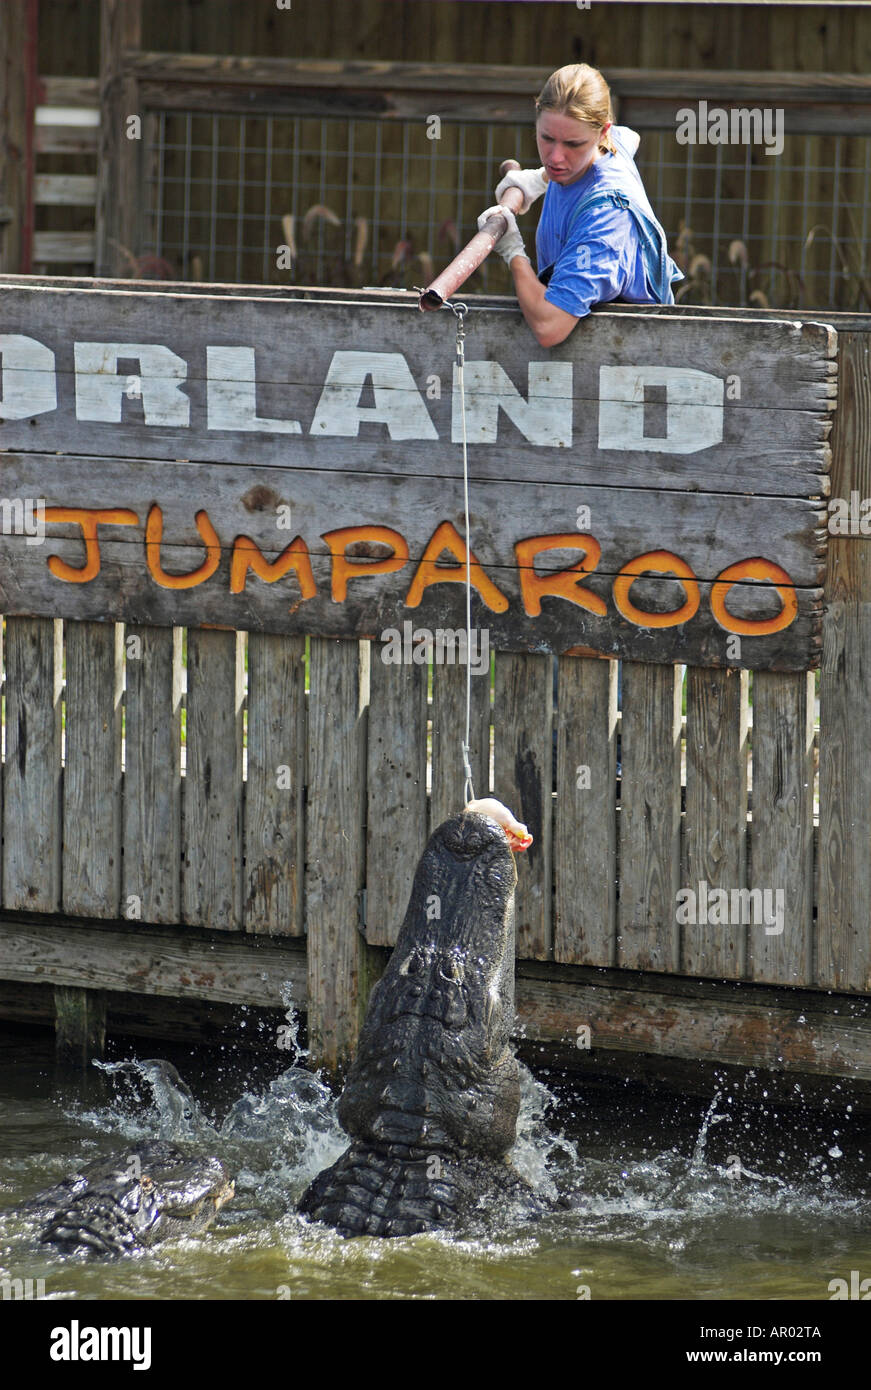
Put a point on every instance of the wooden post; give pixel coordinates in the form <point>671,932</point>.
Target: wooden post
<point>80,1025</point>
<point>844,911</point>
<point>335,846</point>
<point>17,83</point>
<point>119,192</point>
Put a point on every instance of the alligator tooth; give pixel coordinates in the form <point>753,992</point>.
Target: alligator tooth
<point>424,1130</point>
<point>396,1064</point>
<point>438,1211</point>
<point>424,1070</point>
<point>427,1108</point>
<point>385,1094</point>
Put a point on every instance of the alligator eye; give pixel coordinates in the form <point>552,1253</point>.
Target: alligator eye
<point>451,969</point>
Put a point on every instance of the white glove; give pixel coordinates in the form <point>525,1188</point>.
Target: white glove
<point>511,243</point>
<point>531,182</point>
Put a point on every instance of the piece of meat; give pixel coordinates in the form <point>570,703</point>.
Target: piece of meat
<point>519,837</point>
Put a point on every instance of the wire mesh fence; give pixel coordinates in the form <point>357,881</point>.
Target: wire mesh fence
<point>340,202</point>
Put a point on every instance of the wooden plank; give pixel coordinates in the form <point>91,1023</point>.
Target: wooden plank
<point>736,1023</point>
<point>69,91</point>
<point>15,135</point>
<point>523,780</point>
<point>208,70</point>
<point>839,319</point>
<point>844,903</point>
<point>335,847</point>
<point>200,505</point>
<point>585,829</point>
<point>185,963</point>
<point>648,936</point>
<point>792,1032</point>
<point>396,817</point>
<point>211,891</point>
<point>800,118</point>
<point>779,946</point>
<point>32,771</point>
<point>275,785</point>
<point>119,199</point>
<point>67,139</point>
<point>773,433</point>
<point>716,814</point>
<point>92,769</point>
<point>64,190</point>
<point>152,777</point>
<point>448,717</point>
<point>234,497</point>
<point>67,248</point>
<point>80,1025</point>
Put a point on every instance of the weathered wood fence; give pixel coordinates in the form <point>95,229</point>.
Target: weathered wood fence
<point>197,740</point>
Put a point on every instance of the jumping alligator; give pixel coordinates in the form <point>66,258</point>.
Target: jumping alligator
<point>432,1098</point>
<point>118,1205</point>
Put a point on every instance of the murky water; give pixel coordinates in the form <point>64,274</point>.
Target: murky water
<point>666,1198</point>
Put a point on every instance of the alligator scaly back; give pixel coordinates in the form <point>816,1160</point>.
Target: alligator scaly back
<point>432,1098</point>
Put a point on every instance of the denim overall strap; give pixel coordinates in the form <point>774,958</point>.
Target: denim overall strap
<point>650,233</point>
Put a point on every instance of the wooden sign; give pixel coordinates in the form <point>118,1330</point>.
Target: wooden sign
<point>651,489</point>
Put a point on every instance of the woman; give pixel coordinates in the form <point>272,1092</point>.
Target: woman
<point>598,238</point>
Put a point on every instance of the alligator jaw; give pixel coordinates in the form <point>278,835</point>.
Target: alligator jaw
<point>432,1098</point>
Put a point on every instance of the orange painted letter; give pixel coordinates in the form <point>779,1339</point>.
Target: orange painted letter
<point>562,583</point>
<point>247,555</point>
<point>153,536</point>
<point>659,562</point>
<point>447,537</point>
<point>89,518</point>
<point>345,568</point>
<point>756,568</point>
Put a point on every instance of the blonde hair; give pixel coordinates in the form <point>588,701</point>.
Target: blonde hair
<point>582,93</point>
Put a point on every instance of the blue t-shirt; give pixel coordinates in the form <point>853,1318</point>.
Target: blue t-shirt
<point>600,258</point>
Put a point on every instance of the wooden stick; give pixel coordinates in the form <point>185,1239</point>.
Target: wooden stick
<point>477,250</point>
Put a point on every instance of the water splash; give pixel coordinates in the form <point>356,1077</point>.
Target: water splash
<point>179,1116</point>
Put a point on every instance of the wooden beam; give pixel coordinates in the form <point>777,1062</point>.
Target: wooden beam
<point>222,71</point>
<point>119,193</point>
<point>791,1031</point>
<point>182,962</point>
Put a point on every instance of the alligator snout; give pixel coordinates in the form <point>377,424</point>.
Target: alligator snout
<point>469,835</point>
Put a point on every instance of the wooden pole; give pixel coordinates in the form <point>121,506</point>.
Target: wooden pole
<point>17,95</point>
<point>119,191</point>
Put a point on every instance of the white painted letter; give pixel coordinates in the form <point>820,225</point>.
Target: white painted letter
<point>27,382</point>
<point>545,417</point>
<point>232,394</point>
<point>100,389</point>
<point>398,403</point>
<point>694,409</point>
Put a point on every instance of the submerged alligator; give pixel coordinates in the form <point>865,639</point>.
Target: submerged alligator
<point>432,1098</point>
<point>119,1205</point>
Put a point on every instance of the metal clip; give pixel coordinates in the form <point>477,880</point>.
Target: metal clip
<point>459,310</point>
